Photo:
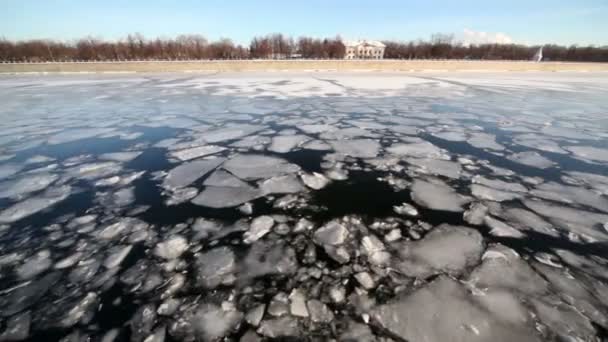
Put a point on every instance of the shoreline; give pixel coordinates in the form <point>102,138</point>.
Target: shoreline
<point>298,65</point>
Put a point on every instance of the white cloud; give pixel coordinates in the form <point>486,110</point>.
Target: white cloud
<point>471,37</point>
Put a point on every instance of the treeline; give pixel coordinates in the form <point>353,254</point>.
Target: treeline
<point>275,46</point>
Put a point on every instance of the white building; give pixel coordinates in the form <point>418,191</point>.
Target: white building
<point>364,49</point>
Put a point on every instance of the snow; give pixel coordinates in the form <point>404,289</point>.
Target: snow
<point>437,196</point>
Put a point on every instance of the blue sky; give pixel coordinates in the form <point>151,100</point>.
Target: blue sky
<point>531,21</point>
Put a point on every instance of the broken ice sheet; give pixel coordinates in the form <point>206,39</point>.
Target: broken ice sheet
<point>437,195</point>
<point>446,249</point>
<point>531,159</point>
<point>196,152</point>
<point>34,204</point>
<point>187,173</point>
<point>252,166</point>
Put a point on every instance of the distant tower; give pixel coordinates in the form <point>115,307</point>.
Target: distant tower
<point>538,57</point>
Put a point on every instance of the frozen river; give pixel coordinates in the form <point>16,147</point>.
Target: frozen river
<point>315,206</point>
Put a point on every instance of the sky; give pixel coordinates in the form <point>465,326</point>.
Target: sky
<point>566,22</point>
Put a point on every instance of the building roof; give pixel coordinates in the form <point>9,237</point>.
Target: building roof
<point>353,43</point>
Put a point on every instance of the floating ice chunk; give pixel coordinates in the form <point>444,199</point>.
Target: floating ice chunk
<point>570,219</point>
<point>564,320</point>
<point>187,173</point>
<point>359,148</point>
<point>539,143</point>
<point>280,327</point>
<point>475,214</point>
<point>504,269</point>
<point>252,167</point>
<point>223,178</point>
<point>317,145</point>
<point>7,170</point>
<point>446,249</point>
<point>120,228</point>
<point>595,181</point>
<point>297,305</point>
<point>523,220</point>
<point>98,170</point>
<point>83,307</point>
<point>316,128</point>
<point>451,135</point>
<point>332,233</point>
<point>589,153</point>
<point>211,322</point>
<point>225,197</point>
<point>571,194</point>
<point>196,152</point>
<point>255,315</point>
<point>573,292</point>
<point>315,181</point>
<point>484,140</point>
<point>33,205</point>
<point>319,312</point>
<point>499,228</point>
<point>259,227</point>
<point>181,195</point>
<point>26,185</point>
<point>406,209</point>
<point>421,149</point>
<point>287,184</point>
<point>445,311</point>
<point>531,159</point>
<point>70,135</point>
<point>486,193</point>
<point>267,259</point>
<point>120,156</point>
<point>116,255</point>
<point>286,143</point>
<point>27,295</point>
<point>437,196</point>
<point>17,327</point>
<point>39,159</point>
<point>35,265</point>
<point>68,261</point>
<point>500,185</point>
<point>440,167</point>
<point>347,133</point>
<point>230,133</point>
<point>214,267</point>
<point>172,248</point>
